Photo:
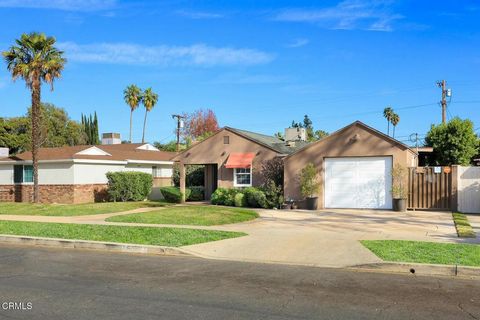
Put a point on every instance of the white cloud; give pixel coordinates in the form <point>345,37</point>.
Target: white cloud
<point>199,14</point>
<point>163,55</point>
<point>300,42</point>
<point>67,5</point>
<point>375,15</point>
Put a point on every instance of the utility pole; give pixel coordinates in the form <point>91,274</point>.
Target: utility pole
<point>179,126</point>
<point>445,92</point>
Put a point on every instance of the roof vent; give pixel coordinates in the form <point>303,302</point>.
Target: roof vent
<point>4,152</point>
<point>111,138</point>
<point>295,134</point>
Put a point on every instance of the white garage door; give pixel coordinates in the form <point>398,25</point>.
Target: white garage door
<point>358,182</point>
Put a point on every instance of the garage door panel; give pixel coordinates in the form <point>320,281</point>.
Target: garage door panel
<point>358,182</point>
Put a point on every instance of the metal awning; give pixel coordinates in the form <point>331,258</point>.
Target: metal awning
<point>240,160</point>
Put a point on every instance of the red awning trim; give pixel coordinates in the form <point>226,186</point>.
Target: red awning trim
<point>240,160</point>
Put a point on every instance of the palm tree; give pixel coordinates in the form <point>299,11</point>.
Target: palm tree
<point>387,114</point>
<point>35,59</point>
<point>395,120</point>
<point>149,101</point>
<point>133,96</point>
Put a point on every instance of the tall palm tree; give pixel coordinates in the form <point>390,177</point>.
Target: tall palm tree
<point>395,120</point>
<point>35,59</point>
<point>133,96</point>
<point>149,100</point>
<point>387,114</point>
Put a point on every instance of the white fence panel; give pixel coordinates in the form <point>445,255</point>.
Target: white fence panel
<point>469,189</point>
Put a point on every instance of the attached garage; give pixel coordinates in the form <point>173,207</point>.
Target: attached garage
<point>354,168</point>
<point>358,182</point>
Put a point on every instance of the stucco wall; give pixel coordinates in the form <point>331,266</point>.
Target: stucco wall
<point>6,174</point>
<point>48,173</point>
<point>214,151</point>
<point>354,141</point>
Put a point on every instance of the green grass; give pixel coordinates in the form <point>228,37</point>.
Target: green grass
<point>172,237</point>
<point>73,209</point>
<point>425,252</point>
<point>190,215</point>
<point>464,229</point>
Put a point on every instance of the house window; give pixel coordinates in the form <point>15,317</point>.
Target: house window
<point>22,174</point>
<point>242,177</point>
<point>226,140</point>
<point>155,172</point>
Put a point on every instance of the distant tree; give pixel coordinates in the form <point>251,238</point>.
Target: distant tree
<point>200,124</point>
<point>149,100</point>
<point>387,114</point>
<point>311,134</point>
<point>320,134</point>
<point>395,120</point>
<point>15,134</point>
<point>169,146</point>
<point>279,136</point>
<point>90,127</point>
<point>35,59</point>
<point>132,96</point>
<point>454,142</point>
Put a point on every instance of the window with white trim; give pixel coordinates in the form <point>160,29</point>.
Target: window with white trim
<point>242,177</point>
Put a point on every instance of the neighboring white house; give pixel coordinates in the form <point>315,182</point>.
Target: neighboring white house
<point>77,174</point>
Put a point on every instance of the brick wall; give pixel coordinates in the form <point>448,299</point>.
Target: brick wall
<point>84,193</point>
<point>54,193</point>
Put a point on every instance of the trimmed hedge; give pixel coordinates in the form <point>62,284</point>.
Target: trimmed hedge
<point>129,185</point>
<point>251,197</point>
<point>173,194</point>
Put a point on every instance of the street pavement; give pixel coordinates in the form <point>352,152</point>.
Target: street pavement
<point>78,284</point>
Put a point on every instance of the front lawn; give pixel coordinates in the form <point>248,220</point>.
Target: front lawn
<point>73,209</point>
<point>190,215</point>
<point>425,252</point>
<point>172,237</point>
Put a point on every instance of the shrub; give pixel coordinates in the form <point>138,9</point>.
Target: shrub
<point>197,193</point>
<point>272,170</point>
<point>129,185</point>
<point>240,200</point>
<point>309,185</point>
<point>173,194</point>
<point>224,196</point>
<point>273,194</point>
<point>255,197</point>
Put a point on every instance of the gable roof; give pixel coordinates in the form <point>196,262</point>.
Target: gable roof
<point>112,152</point>
<point>269,141</point>
<point>362,125</point>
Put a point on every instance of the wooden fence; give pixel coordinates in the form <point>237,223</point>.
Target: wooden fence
<point>430,188</point>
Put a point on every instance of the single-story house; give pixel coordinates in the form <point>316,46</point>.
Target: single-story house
<point>233,157</point>
<point>77,174</point>
<point>354,163</point>
<point>354,166</point>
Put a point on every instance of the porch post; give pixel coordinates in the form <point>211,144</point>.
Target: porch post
<point>182,180</point>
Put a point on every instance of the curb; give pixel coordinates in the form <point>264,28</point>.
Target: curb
<point>421,269</point>
<point>93,245</point>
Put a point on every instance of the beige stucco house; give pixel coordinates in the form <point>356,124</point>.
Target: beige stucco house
<point>354,167</point>
<point>354,164</point>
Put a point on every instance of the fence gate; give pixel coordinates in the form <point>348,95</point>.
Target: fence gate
<point>430,188</point>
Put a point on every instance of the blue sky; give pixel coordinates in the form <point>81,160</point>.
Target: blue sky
<point>258,64</point>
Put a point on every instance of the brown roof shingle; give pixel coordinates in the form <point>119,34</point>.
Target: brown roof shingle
<point>119,152</point>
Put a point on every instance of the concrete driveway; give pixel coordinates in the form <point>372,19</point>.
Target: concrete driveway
<point>325,238</point>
